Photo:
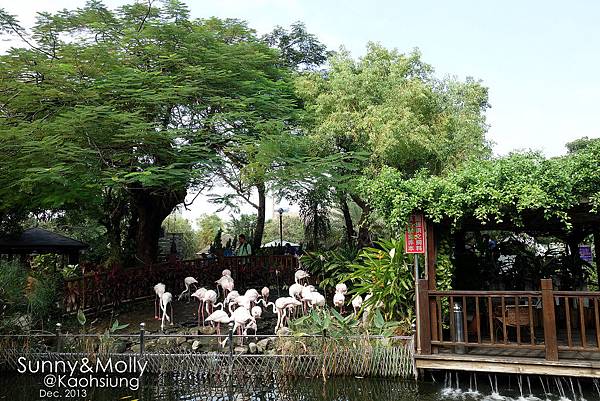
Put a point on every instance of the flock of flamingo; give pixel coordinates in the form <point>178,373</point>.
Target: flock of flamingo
<point>243,310</point>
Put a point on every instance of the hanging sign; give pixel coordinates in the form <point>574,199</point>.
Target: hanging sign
<point>585,252</point>
<point>414,237</point>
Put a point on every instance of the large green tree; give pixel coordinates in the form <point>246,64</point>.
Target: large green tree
<point>390,107</point>
<point>121,112</point>
<point>245,167</point>
<point>208,226</point>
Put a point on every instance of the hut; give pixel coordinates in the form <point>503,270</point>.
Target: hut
<point>37,240</point>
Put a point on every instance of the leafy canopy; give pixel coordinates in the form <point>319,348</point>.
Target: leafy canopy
<point>495,190</point>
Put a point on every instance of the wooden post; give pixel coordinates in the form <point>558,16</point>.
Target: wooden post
<point>549,320</point>
<point>423,322</point>
<point>430,255</point>
<point>597,254</point>
<point>430,275</point>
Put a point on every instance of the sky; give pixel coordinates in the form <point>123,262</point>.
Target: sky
<point>539,59</point>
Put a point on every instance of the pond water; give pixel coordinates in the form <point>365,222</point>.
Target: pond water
<point>482,387</point>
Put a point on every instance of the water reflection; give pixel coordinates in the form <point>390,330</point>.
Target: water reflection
<point>439,387</point>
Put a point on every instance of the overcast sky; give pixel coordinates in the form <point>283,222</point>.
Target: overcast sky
<point>539,58</point>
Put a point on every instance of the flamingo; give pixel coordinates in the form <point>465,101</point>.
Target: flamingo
<point>256,312</point>
<point>280,306</point>
<point>159,289</point>
<point>164,300</point>
<point>265,293</point>
<point>341,288</point>
<point>219,317</point>
<point>357,302</point>
<point>252,295</point>
<point>231,297</point>
<point>295,290</point>
<point>188,281</point>
<point>318,299</point>
<point>300,275</point>
<point>338,300</point>
<point>226,283</point>
<point>242,301</point>
<point>210,297</point>
<point>241,317</point>
<point>199,295</point>
<point>306,296</point>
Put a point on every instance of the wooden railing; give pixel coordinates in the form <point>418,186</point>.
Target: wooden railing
<point>545,320</point>
<point>95,291</point>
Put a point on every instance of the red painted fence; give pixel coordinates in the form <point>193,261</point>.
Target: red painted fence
<point>97,291</point>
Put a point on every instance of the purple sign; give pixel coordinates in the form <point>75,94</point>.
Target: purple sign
<point>585,252</point>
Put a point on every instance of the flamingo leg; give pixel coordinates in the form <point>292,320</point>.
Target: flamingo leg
<point>156,308</point>
<point>172,315</point>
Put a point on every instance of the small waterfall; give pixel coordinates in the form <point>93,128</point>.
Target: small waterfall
<point>520,383</point>
<point>572,389</point>
<point>543,387</point>
<point>527,388</point>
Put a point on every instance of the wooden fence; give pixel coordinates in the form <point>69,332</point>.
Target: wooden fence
<point>96,291</point>
<point>553,323</point>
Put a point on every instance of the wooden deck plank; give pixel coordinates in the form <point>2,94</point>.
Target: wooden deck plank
<point>509,364</point>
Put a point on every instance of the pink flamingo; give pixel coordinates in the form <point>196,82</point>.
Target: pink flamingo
<point>210,298</point>
<point>265,293</point>
<point>219,317</point>
<point>338,301</point>
<point>199,295</point>
<point>165,299</point>
<point>159,289</point>
<point>188,281</point>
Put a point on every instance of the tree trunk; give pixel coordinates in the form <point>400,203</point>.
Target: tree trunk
<point>364,234</point>
<point>260,218</point>
<point>112,221</point>
<point>152,209</point>
<point>347,220</point>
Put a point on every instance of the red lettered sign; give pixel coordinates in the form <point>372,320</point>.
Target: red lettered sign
<point>414,237</point>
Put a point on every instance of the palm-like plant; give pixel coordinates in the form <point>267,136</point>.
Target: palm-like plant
<point>386,274</point>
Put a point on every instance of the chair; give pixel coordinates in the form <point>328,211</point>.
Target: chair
<point>516,316</point>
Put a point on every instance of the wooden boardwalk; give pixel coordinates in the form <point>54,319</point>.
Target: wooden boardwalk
<point>583,364</point>
<point>543,332</point>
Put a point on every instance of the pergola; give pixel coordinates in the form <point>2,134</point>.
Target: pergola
<point>40,241</point>
<point>584,222</point>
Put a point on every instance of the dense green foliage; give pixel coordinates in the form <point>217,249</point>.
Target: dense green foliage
<point>495,190</point>
<point>208,226</point>
<point>391,109</point>
<point>119,113</point>
<point>292,229</point>
<point>26,300</point>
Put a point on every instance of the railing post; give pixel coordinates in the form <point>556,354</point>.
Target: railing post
<point>423,323</point>
<point>550,342</point>
<point>230,358</point>
<point>142,332</point>
<point>58,337</point>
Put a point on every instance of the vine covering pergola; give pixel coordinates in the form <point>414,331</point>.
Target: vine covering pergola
<point>522,192</point>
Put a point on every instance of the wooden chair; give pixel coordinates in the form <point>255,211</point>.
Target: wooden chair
<point>516,316</point>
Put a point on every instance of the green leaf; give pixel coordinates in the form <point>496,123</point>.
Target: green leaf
<point>378,320</point>
<point>81,317</point>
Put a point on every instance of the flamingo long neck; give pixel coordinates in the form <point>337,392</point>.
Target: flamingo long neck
<point>272,304</point>
<point>219,304</point>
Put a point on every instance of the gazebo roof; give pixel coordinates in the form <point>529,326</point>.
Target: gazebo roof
<point>40,240</point>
